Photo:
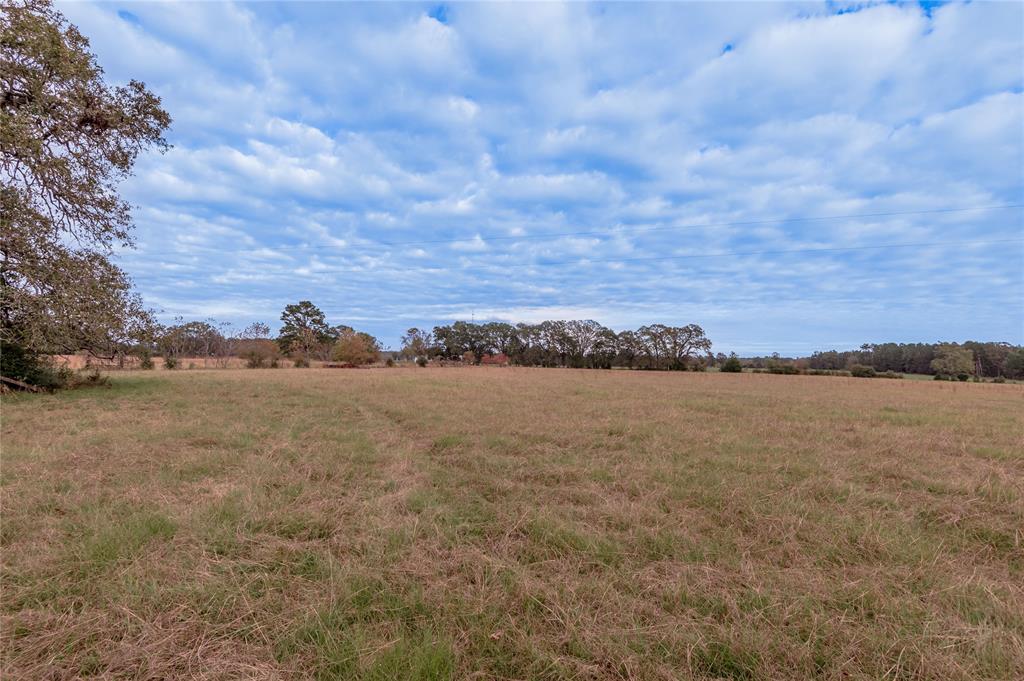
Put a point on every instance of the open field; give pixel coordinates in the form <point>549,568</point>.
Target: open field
<point>513,524</point>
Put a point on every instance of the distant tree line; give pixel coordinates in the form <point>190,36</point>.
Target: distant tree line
<point>563,343</point>
<point>973,358</point>
<point>305,335</point>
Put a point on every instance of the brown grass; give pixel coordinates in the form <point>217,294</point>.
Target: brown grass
<point>513,524</point>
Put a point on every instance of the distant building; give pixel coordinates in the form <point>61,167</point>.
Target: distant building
<point>500,359</point>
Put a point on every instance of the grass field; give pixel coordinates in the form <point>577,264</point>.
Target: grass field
<point>513,524</point>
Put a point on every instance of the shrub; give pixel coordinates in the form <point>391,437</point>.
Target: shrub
<point>88,377</point>
<point>170,362</point>
<point>389,363</point>
<point>146,362</point>
<point>999,379</point>
<point>28,367</point>
<point>783,369</point>
<point>258,352</point>
<point>890,374</point>
<point>732,365</point>
<point>826,372</point>
<point>421,361</point>
<point>862,371</point>
<point>354,347</point>
<point>300,363</point>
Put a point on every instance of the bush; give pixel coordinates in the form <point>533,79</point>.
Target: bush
<point>421,361</point>
<point>999,379</point>
<point>889,374</point>
<point>732,365</point>
<point>356,348</point>
<point>389,363</point>
<point>258,352</point>
<point>88,377</point>
<point>146,362</point>
<point>31,368</point>
<point>301,363</point>
<point>783,369</point>
<point>862,371</point>
<point>828,372</point>
<point>170,362</point>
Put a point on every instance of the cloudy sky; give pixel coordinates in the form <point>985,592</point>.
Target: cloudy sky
<point>790,176</point>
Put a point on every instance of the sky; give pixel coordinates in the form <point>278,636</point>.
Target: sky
<point>792,177</point>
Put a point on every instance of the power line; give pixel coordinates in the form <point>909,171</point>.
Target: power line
<point>611,232</point>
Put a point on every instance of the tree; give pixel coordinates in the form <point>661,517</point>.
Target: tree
<point>416,344</point>
<point>1014,365</point>
<point>356,347</point>
<point>953,360</point>
<point>581,336</point>
<point>447,343</point>
<point>685,344</point>
<point>732,365</point>
<point>304,329</point>
<point>629,348</point>
<point>66,140</point>
<point>255,347</point>
<point>501,336</point>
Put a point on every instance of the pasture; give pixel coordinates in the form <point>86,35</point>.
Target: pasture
<point>513,524</point>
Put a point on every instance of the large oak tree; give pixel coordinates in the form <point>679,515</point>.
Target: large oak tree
<point>67,139</point>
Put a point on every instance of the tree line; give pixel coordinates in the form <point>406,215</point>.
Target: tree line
<point>306,335</point>
<point>68,139</point>
<point>972,358</point>
<point>575,343</point>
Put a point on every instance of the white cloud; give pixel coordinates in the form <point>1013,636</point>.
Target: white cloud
<point>337,129</point>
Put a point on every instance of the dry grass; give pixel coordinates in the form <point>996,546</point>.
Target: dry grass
<point>513,524</point>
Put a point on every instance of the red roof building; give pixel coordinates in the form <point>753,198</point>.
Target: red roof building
<point>500,359</point>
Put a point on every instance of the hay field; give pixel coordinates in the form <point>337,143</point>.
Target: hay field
<point>513,524</point>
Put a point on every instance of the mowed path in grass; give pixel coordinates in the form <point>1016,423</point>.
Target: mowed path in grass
<point>513,524</point>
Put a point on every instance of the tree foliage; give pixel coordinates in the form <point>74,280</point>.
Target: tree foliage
<point>356,347</point>
<point>304,329</point>
<point>732,365</point>
<point>575,343</point>
<point>417,344</point>
<point>67,139</point>
<point>952,360</point>
<point>990,359</point>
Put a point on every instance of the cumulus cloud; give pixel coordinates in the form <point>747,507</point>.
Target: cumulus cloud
<point>525,161</point>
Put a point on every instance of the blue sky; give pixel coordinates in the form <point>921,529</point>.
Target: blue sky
<point>409,164</point>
